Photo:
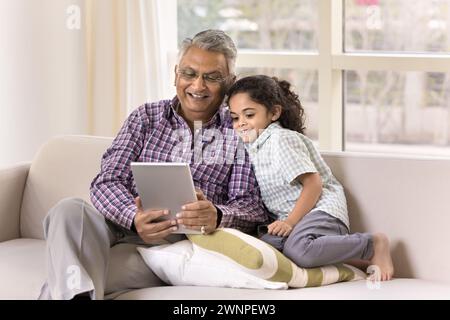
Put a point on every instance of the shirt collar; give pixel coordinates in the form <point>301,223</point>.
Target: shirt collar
<point>265,135</point>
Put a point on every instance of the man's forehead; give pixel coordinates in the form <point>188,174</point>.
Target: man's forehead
<point>203,60</point>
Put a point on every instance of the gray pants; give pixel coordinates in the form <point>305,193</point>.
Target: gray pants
<point>88,254</point>
<point>320,239</point>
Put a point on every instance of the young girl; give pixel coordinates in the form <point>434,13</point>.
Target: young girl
<point>297,186</point>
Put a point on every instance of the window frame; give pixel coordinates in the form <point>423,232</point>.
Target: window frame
<point>330,61</point>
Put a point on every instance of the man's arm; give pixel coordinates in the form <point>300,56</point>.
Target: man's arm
<point>111,190</point>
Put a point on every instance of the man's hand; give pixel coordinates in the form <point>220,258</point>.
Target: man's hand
<point>198,214</point>
<point>279,228</point>
<point>149,230</point>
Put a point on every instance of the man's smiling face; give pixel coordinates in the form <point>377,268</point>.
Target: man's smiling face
<point>200,98</point>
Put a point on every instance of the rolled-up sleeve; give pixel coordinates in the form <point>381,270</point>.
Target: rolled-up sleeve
<point>291,156</point>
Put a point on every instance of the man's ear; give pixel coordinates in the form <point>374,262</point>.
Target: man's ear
<point>229,82</point>
<point>276,112</point>
<point>176,75</point>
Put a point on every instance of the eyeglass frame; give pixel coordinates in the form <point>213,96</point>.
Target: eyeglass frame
<point>205,76</point>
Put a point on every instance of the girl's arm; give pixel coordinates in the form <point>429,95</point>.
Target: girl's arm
<point>312,189</point>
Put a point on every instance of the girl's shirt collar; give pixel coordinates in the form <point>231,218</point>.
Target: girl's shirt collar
<point>264,136</point>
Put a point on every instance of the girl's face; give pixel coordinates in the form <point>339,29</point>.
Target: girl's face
<point>250,118</point>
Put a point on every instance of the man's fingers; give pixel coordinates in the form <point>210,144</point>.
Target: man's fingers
<point>194,221</point>
<point>150,215</point>
<point>198,205</point>
<point>200,194</point>
<point>151,228</point>
<point>159,235</point>
<point>144,218</point>
<point>198,217</point>
<point>202,213</point>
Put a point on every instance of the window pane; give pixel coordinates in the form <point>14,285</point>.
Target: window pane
<point>403,112</point>
<point>397,25</point>
<point>304,83</point>
<point>253,24</point>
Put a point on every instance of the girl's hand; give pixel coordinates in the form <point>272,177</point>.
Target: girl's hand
<point>279,228</point>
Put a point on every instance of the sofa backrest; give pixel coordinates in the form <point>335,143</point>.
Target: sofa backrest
<point>405,198</point>
<point>63,167</point>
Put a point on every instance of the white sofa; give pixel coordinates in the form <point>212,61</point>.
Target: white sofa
<point>407,198</point>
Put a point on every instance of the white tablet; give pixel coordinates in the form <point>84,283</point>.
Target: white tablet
<point>165,185</point>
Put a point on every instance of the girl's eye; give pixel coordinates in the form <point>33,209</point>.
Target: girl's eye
<point>249,115</point>
<point>234,119</point>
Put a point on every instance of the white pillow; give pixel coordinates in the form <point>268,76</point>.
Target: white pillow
<point>230,258</point>
<point>180,264</point>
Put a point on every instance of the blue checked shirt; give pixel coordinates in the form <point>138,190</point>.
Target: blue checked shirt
<point>279,156</point>
<point>220,166</point>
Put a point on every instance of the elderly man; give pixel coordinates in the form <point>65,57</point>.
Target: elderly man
<point>81,240</point>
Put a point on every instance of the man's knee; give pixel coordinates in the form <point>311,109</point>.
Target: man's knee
<point>68,213</point>
<point>65,211</point>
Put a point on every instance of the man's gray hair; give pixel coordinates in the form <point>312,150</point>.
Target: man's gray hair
<point>212,40</point>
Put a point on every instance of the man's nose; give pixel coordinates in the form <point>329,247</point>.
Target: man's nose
<point>199,82</point>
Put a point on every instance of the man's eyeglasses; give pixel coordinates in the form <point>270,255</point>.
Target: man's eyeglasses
<point>192,75</point>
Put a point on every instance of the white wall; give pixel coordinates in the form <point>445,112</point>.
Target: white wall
<point>42,91</point>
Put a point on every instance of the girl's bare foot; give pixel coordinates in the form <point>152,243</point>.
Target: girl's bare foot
<point>382,257</point>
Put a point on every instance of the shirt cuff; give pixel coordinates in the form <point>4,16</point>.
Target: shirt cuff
<point>133,227</point>
<point>130,213</point>
<point>219,216</point>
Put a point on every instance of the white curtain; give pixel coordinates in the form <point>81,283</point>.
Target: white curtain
<point>58,77</point>
<point>128,60</point>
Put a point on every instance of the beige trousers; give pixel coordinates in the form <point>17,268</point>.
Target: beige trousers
<point>88,254</point>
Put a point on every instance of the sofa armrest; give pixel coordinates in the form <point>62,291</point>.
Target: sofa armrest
<point>12,184</point>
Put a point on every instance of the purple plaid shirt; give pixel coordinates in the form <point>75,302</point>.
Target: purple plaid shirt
<point>156,133</point>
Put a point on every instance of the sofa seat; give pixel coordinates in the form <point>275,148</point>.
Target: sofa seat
<point>357,290</point>
<point>401,196</point>
<point>23,274</point>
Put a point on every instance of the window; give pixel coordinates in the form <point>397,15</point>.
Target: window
<point>406,111</point>
<point>397,25</point>
<point>394,109</point>
<point>371,73</point>
<point>254,24</point>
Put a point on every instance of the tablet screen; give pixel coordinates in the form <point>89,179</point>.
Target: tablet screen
<point>164,185</point>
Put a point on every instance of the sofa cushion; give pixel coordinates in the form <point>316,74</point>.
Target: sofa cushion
<point>63,167</point>
<point>22,271</point>
<point>242,261</point>
<point>396,289</point>
<point>177,265</point>
<point>403,197</point>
